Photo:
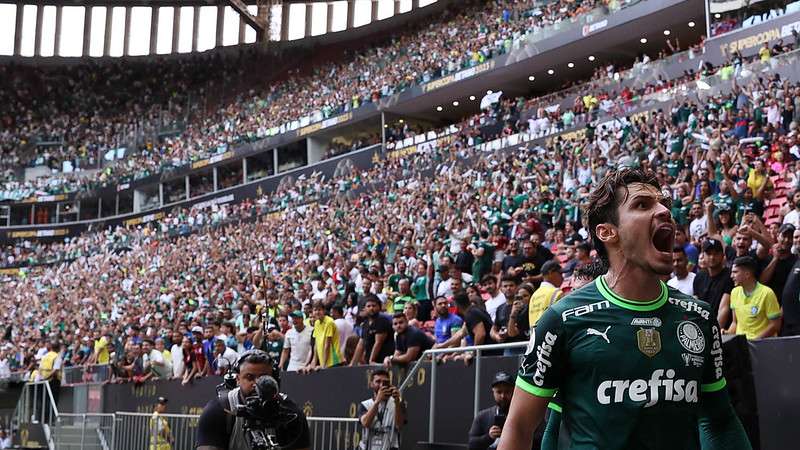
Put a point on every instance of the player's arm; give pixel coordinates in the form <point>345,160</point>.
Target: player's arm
<point>540,374</point>
<point>720,428</point>
<point>376,347</point>
<point>550,436</point>
<point>525,414</point>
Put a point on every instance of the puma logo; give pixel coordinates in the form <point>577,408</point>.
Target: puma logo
<point>604,335</point>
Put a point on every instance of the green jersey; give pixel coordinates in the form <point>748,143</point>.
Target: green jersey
<point>630,375</point>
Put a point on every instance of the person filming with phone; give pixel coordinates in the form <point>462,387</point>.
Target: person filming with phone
<point>383,415</point>
<point>487,426</point>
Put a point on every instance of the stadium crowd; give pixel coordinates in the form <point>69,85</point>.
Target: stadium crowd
<point>325,272</point>
<point>79,129</point>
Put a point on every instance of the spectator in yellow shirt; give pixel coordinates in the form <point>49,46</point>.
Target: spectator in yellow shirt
<point>548,293</point>
<point>48,361</point>
<point>326,340</point>
<point>756,312</point>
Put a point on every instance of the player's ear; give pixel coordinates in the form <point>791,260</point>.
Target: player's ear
<point>607,233</point>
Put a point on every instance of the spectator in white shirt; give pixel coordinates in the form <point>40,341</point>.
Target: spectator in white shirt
<point>489,283</point>
<point>297,344</point>
<point>682,279</point>
<point>793,216</point>
<point>176,352</point>
<point>225,357</point>
<point>345,329</point>
<point>5,439</point>
<point>699,226</point>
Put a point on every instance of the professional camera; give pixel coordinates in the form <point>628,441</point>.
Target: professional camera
<point>263,413</point>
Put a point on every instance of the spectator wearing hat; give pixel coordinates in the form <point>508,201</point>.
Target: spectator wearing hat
<point>160,436</point>
<point>756,312</point>
<point>682,279</point>
<point>297,344</point>
<point>548,292</point>
<point>713,284</point>
<point>487,426</point>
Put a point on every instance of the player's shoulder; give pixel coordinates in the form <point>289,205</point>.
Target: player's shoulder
<point>688,304</point>
<point>580,301</point>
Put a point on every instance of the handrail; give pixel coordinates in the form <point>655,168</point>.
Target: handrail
<point>476,394</point>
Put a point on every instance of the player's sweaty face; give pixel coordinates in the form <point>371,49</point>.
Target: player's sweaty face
<point>646,229</point>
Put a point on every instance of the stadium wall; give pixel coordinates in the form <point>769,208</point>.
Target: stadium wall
<point>759,375</point>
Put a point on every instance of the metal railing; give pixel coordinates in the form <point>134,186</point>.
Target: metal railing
<point>90,373</point>
<point>136,431</point>
<point>334,433</point>
<point>477,349</point>
<point>37,405</point>
<point>83,431</point>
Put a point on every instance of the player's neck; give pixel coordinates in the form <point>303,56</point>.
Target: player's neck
<point>634,284</point>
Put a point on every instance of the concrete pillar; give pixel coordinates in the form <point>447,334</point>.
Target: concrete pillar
<point>220,24</point>
<point>285,22</point>
<point>127,42</point>
<point>18,28</point>
<point>374,11</point>
<point>37,40</point>
<point>396,7</point>
<point>153,29</point>
<point>244,170</point>
<point>87,30</point>
<point>57,37</point>
<point>215,175</point>
<point>176,29</point>
<point>309,19</point>
<point>242,30</point>
<point>107,37</point>
<point>195,24</point>
<point>329,19</point>
<point>264,13</point>
<point>188,188</point>
<point>274,161</point>
<point>351,14</point>
<point>414,4</point>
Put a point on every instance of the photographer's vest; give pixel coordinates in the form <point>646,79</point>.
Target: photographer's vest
<point>381,435</point>
<point>236,425</point>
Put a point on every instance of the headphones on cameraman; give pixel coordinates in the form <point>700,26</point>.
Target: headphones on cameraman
<point>230,377</point>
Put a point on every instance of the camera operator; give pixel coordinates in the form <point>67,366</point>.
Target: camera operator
<point>382,415</point>
<point>235,419</point>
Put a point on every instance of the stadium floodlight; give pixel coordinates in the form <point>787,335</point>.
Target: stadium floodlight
<point>489,92</point>
<point>591,57</point>
<point>472,98</point>
<point>531,78</point>
<point>571,65</point>
<point>717,15</point>
<point>439,108</point>
<point>643,40</point>
<point>691,24</point>
<point>551,71</point>
<point>401,121</point>
<point>455,103</point>
<point>666,32</point>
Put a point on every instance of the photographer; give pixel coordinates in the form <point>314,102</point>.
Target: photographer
<point>488,424</point>
<point>382,415</point>
<point>225,420</point>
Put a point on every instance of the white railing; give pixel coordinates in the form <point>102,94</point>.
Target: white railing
<point>478,349</point>
<point>333,433</point>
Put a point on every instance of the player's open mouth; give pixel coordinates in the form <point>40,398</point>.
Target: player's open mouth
<point>664,238</point>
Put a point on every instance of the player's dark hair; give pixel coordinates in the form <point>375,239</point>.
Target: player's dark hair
<point>372,298</point>
<point>398,315</point>
<point>488,278</point>
<point>605,199</point>
<point>508,278</point>
<point>678,249</point>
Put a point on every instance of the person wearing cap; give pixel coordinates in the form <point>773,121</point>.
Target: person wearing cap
<point>297,344</point>
<point>487,426</point>
<point>160,436</point>
<point>779,265</point>
<point>548,292</point>
<point>713,284</point>
<point>756,312</point>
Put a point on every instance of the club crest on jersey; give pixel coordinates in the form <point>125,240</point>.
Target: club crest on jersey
<point>691,337</point>
<point>649,341</point>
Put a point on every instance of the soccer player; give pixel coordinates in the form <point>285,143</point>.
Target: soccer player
<point>636,364</point>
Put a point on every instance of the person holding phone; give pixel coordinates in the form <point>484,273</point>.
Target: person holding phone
<point>383,415</point>
<point>487,426</point>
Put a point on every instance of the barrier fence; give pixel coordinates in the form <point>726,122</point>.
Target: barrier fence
<point>511,348</point>
<point>93,373</point>
<point>334,433</point>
